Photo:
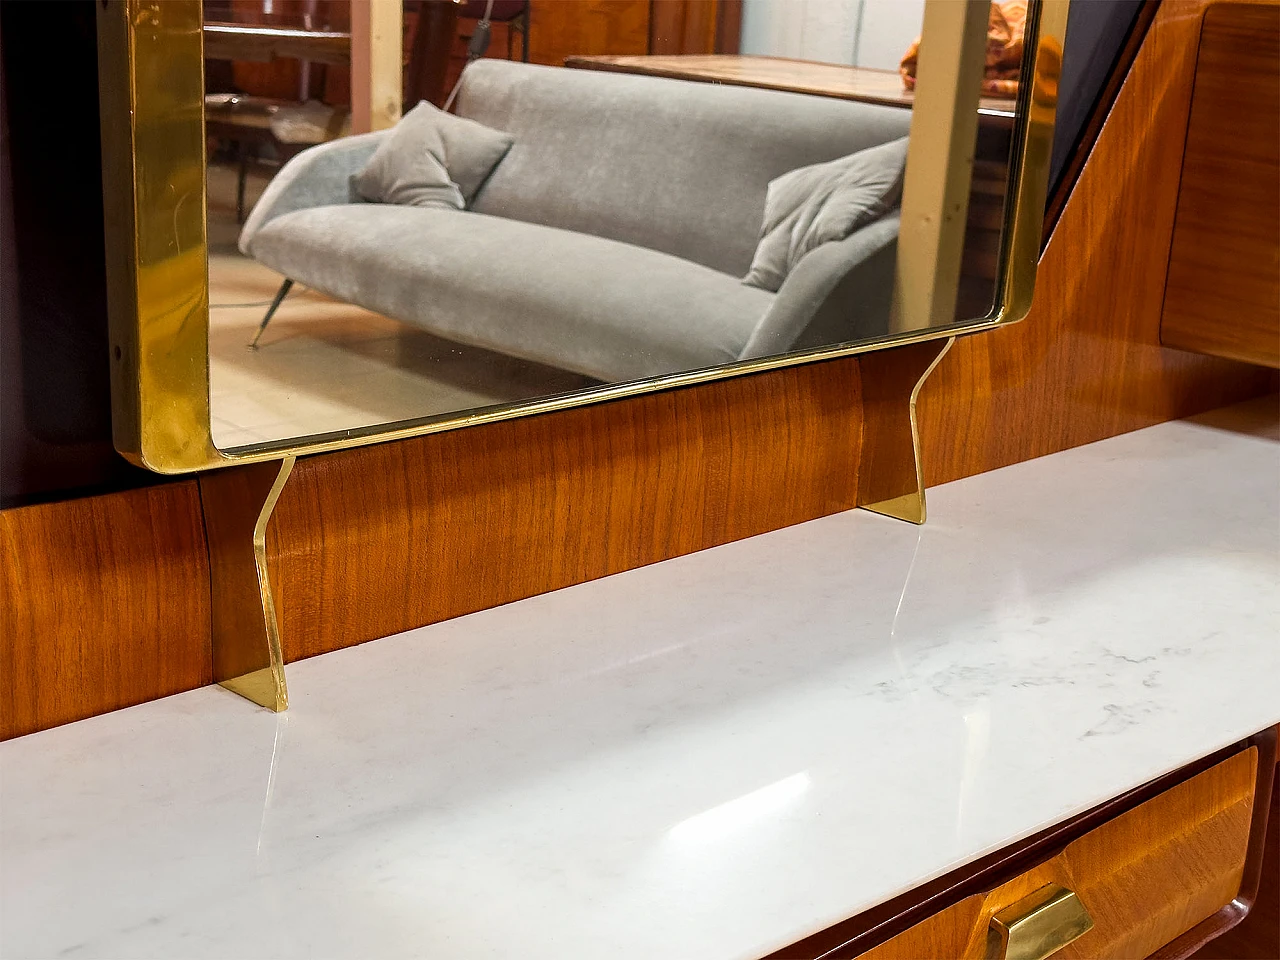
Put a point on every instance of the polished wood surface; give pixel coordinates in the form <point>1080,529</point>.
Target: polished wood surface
<point>866,84</point>
<point>1223,291</point>
<point>774,73</point>
<point>599,490</point>
<point>558,29</point>
<point>371,542</point>
<point>1087,363</point>
<point>1257,935</point>
<point>694,26</point>
<point>104,603</point>
<point>871,928</point>
<point>1145,877</point>
<point>256,43</point>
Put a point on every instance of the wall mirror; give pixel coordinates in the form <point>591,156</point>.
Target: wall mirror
<point>329,225</point>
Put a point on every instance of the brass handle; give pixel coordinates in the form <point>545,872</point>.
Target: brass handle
<point>1038,925</point>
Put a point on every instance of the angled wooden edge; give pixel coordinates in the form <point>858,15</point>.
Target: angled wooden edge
<point>247,653</point>
<point>891,481</point>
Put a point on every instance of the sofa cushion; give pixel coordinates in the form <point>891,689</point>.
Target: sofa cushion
<point>431,159</point>
<point>595,306</point>
<point>671,165</point>
<point>824,202</point>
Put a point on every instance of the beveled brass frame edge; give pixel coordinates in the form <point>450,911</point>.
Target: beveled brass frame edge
<point>138,405</point>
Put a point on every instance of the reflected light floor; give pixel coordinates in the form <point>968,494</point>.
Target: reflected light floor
<point>323,365</point>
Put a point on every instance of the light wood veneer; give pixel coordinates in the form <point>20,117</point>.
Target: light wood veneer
<point>104,603</point>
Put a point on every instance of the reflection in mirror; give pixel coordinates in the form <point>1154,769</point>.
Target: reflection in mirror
<point>606,215</point>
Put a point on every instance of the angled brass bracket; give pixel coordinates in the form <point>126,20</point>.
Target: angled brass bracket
<point>891,480</point>
<point>237,505</point>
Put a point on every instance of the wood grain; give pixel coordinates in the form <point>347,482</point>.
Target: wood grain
<point>560,29</point>
<point>1257,936</point>
<point>1223,291</point>
<point>232,501</point>
<point>683,26</point>
<point>371,542</point>
<point>1087,363</point>
<point>865,84</point>
<point>104,603</point>
<point>1145,877</point>
<point>262,44</point>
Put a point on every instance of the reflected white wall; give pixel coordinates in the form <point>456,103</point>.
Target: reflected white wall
<point>887,29</point>
<point>869,33</point>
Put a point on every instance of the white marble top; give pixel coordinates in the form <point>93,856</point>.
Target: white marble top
<point>707,758</point>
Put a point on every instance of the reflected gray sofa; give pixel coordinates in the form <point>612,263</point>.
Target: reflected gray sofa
<point>611,239</point>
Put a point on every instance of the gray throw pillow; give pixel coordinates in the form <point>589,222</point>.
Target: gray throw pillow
<point>826,201</point>
<point>431,159</point>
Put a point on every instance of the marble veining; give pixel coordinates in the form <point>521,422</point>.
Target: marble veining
<point>706,758</point>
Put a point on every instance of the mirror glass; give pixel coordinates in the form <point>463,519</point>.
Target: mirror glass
<point>619,190</point>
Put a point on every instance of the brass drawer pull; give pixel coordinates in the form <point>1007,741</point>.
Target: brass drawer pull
<point>1038,925</point>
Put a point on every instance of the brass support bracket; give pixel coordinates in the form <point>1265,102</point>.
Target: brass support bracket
<point>891,480</point>
<point>237,504</point>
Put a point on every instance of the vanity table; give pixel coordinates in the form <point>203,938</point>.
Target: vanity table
<point>779,744</point>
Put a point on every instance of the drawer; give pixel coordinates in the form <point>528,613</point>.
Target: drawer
<point>1143,879</point>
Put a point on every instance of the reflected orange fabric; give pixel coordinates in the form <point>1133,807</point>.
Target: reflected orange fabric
<point>1005,31</point>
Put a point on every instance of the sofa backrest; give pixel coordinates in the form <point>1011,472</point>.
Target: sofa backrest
<point>672,165</point>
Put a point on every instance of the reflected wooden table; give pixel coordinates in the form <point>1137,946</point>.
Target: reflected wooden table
<point>865,84</point>
<point>261,43</point>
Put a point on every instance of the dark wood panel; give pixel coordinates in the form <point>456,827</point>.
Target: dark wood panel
<point>683,26</point>
<point>560,29</point>
<point>865,84</point>
<point>104,603</point>
<point>1087,362</point>
<point>386,538</point>
<point>371,542</point>
<point>1223,292</point>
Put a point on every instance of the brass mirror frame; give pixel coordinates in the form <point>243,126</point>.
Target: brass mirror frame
<point>151,82</point>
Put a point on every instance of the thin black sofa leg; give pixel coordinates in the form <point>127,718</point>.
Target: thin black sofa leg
<point>275,305</point>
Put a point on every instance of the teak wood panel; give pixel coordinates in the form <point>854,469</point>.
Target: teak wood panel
<point>1223,292</point>
<point>1257,935</point>
<point>1087,363</point>
<point>559,29</point>
<point>104,603</point>
<point>865,84</point>
<point>1145,877</point>
<point>370,542</point>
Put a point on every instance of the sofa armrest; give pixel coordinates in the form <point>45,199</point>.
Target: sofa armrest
<point>317,177</point>
<point>838,292</point>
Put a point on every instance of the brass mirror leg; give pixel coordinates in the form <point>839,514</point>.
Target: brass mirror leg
<point>891,480</point>
<point>237,504</point>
